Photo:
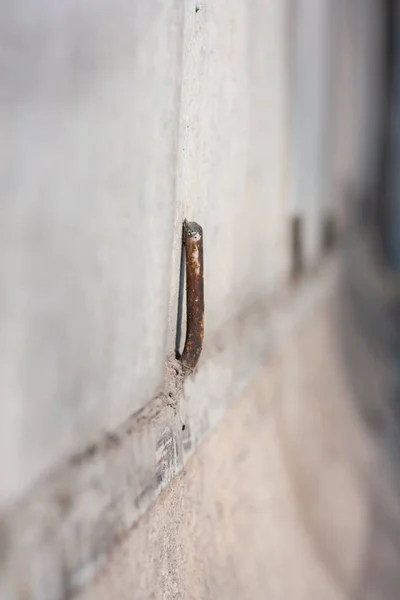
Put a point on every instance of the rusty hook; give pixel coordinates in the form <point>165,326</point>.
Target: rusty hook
<point>193,241</point>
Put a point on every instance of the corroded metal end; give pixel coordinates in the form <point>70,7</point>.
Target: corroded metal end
<point>193,240</point>
<point>192,229</point>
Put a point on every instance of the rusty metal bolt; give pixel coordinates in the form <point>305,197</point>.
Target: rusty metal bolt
<point>193,240</point>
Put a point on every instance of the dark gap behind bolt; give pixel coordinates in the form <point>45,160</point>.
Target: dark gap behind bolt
<point>297,264</point>
<point>178,336</point>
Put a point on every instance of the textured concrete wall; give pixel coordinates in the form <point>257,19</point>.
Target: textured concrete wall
<point>233,151</point>
<point>119,122</point>
<point>290,498</point>
<point>120,119</point>
<point>90,121</point>
<point>91,212</point>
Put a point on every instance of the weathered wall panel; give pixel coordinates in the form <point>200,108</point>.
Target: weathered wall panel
<point>290,498</point>
<point>90,94</point>
<point>232,158</point>
<point>103,156</point>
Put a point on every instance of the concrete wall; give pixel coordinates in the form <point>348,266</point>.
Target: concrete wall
<point>121,119</point>
<point>90,109</point>
<point>233,152</point>
<point>96,185</point>
<point>291,497</point>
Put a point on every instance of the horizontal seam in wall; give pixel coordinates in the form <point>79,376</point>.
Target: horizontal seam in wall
<point>60,533</point>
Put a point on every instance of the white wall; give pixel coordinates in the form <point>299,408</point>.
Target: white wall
<point>89,120</point>
<point>92,110</point>
<point>120,119</point>
<point>233,155</point>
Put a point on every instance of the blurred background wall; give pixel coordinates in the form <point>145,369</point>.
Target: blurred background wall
<point>259,119</point>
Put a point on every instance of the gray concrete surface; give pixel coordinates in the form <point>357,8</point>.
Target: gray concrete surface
<point>292,496</point>
<point>57,537</point>
<point>232,167</point>
<point>119,119</point>
<point>96,184</point>
<point>89,119</point>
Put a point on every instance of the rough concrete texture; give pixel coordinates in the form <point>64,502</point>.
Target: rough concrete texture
<point>62,532</point>
<point>233,123</point>
<point>120,119</point>
<point>89,117</point>
<point>290,498</point>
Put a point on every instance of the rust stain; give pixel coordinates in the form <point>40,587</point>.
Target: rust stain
<point>193,240</point>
